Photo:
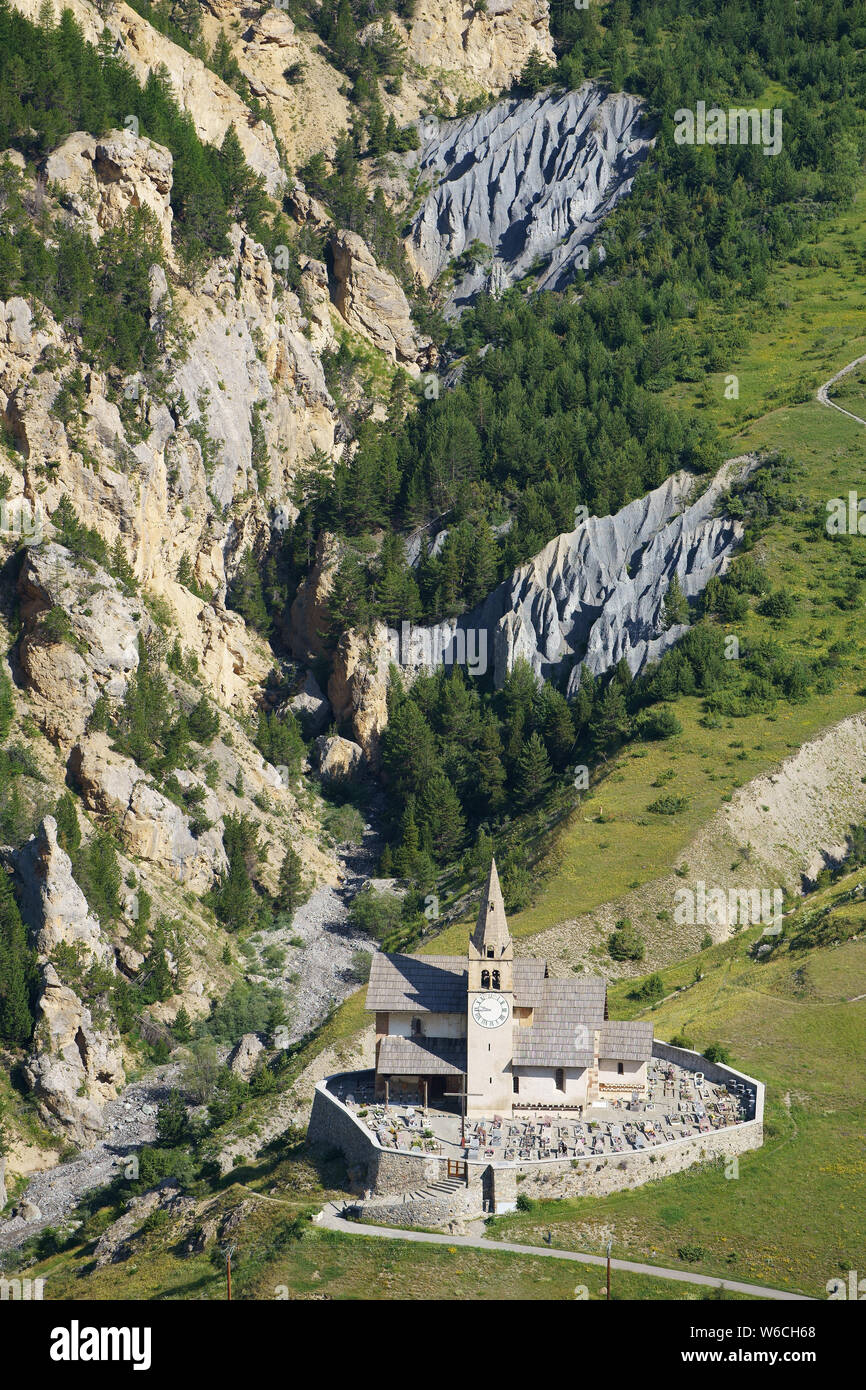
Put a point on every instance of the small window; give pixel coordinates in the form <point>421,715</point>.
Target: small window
<point>496,979</point>
<point>620,1069</point>
<point>485,979</point>
<point>416,1025</point>
<point>560,1078</point>
<point>490,953</point>
<point>515,1081</point>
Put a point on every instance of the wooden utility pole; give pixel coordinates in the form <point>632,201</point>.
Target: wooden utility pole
<point>610,1242</point>
<point>228,1252</point>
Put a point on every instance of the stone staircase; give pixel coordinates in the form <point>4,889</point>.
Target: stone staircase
<point>436,1191</point>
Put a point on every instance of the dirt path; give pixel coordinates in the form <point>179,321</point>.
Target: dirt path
<point>332,1221</point>
<point>823,392</point>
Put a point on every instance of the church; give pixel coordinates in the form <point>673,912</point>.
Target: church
<point>496,1032</point>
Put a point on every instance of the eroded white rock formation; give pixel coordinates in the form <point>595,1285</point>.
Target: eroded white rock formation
<point>595,595</point>
<point>531,180</point>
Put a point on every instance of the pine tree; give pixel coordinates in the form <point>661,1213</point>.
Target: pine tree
<point>16,966</point>
<point>482,564</point>
<point>290,887</point>
<point>610,722</point>
<point>246,595</point>
<point>68,828</point>
<point>13,817</point>
<point>7,704</point>
<point>376,140</point>
<point>676,607</point>
<point>443,826</point>
<point>557,726</point>
<point>533,773</point>
<point>182,1026</point>
<point>490,767</point>
<point>243,190</point>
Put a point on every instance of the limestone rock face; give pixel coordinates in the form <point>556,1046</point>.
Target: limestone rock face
<point>595,595</point>
<point>101,179</point>
<point>308,615</point>
<point>532,180</point>
<point>358,686</point>
<point>52,904</point>
<point>247,352</point>
<point>65,679</point>
<point>310,110</point>
<point>251,380</point>
<point>151,826</point>
<point>373,303</point>
<point>75,1067</point>
<point>310,706</point>
<point>340,760</point>
<point>492,48</point>
<point>245,1055</point>
<point>211,103</point>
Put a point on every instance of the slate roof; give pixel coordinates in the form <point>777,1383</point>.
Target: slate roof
<point>561,1032</point>
<point>632,1042</point>
<point>417,984</point>
<point>438,984</point>
<point>529,973</point>
<point>422,1056</point>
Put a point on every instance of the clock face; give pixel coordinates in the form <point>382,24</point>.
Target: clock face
<point>490,1010</point>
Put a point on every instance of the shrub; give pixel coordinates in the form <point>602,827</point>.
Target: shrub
<point>625,942</point>
<point>657,724</point>
<point>377,914</point>
<point>668,805</point>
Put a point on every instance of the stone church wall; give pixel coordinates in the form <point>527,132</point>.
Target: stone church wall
<point>378,1172</point>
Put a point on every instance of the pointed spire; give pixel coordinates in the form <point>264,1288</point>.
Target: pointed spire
<point>491,929</point>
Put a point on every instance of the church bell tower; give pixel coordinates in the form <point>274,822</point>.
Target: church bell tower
<point>490,1008</point>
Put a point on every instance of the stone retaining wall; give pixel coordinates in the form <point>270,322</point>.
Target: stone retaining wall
<point>388,1172</point>
<point>425,1210</point>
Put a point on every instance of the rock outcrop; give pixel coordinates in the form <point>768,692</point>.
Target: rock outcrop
<point>244,1056</point>
<point>150,825</point>
<point>593,596</point>
<point>308,617</point>
<point>102,179</point>
<point>358,686</point>
<point>75,1066</point>
<point>339,759</point>
<point>373,303</point>
<point>96,653</point>
<point>310,706</point>
<point>531,181</point>
<point>52,904</point>
<point>491,46</point>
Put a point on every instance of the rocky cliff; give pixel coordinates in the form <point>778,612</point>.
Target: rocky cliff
<point>530,181</point>
<point>75,1065</point>
<point>595,596</point>
<point>591,598</point>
